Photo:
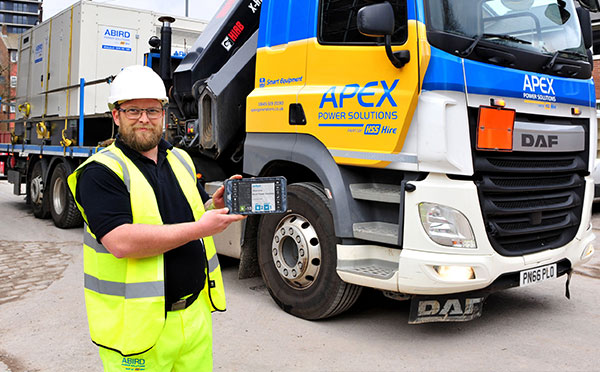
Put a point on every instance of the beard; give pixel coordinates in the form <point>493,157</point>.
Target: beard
<point>141,141</point>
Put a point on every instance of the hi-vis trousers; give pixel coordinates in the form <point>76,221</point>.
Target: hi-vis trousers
<point>185,344</point>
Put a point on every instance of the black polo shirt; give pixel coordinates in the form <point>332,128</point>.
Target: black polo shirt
<point>107,205</point>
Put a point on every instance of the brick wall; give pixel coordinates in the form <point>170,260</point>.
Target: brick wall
<point>4,83</point>
<point>7,69</point>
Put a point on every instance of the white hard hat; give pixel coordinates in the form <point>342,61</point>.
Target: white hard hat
<point>136,82</point>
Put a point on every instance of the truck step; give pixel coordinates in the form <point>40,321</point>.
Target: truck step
<point>379,192</point>
<point>382,232</point>
<point>378,269</point>
<point>211,187</point>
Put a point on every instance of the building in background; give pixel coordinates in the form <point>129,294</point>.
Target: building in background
<point>9,47</point>
<point>20,15</point>
<point>15,18</point>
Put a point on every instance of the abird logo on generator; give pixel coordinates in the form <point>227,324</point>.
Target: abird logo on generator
<point>117,33</point>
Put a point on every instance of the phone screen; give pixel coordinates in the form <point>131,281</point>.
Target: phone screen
<point>256,195</point>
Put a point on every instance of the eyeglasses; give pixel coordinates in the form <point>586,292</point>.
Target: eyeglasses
<point>133,113</point>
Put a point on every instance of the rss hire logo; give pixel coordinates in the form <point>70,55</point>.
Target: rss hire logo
<point>134,364</point>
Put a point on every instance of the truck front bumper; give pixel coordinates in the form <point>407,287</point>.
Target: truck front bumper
<point>411,269</point>
<point>412,272</point>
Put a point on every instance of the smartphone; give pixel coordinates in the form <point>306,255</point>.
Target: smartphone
<point>260,195</point>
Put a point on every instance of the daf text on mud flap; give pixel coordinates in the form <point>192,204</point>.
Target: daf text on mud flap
<point>445,309</point>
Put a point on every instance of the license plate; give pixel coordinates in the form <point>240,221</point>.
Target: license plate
<point>538,274</point>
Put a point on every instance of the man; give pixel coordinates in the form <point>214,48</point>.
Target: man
<point>151,272</point>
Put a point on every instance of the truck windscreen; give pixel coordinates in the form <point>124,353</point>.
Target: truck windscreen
<point>542,27</point>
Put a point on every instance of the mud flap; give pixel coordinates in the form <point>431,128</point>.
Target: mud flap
<point>459,307</point>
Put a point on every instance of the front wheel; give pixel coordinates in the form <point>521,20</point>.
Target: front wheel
<point>62,206</point>
<point>297,257</point>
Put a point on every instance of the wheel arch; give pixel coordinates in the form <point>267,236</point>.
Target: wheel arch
<point>294,173</point>
<point>49,164</point>
<point>299,158</point>
<point>303,158</point>
<point>70,164</point>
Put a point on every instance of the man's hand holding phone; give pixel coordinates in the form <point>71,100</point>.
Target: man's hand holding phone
<point>218,198</point>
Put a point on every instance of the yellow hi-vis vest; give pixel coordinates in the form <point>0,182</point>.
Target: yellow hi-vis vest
<point>125,297</point>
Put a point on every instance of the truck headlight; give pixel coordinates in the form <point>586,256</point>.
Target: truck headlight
<point>446,226</point>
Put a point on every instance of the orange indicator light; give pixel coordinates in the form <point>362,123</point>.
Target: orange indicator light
<point>575,111</point>
<point>495,129</point>
<point>498,102</point>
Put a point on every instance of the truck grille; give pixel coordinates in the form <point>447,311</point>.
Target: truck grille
<point>530,201</point>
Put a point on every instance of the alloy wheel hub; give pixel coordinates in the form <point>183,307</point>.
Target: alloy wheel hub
<point>37,189</point>
<point>296,251</point>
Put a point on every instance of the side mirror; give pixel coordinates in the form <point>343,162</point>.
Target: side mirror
<point>591,5</point>
<point>557,14</point>
<point>585,23</point>
<point>377,20</point>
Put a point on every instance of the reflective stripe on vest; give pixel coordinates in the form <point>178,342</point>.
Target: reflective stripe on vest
<point>115,157</point>
<point>127,290</point>
<point>91,242</point>
<point>213,264</point>
<point>179,156</point>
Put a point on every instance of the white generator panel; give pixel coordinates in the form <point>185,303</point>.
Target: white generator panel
<point>92,41</point>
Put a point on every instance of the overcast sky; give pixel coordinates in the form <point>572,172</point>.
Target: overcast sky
<point>200,9</point>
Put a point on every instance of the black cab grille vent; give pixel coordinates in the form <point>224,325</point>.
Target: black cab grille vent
<point>531,201</point>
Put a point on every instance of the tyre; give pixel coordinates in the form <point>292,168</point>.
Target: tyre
<point>297,257</point>
<point>62,206</point>
<point>37,193</point>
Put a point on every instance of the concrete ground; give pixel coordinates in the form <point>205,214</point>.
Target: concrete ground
<point>43,325</point>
